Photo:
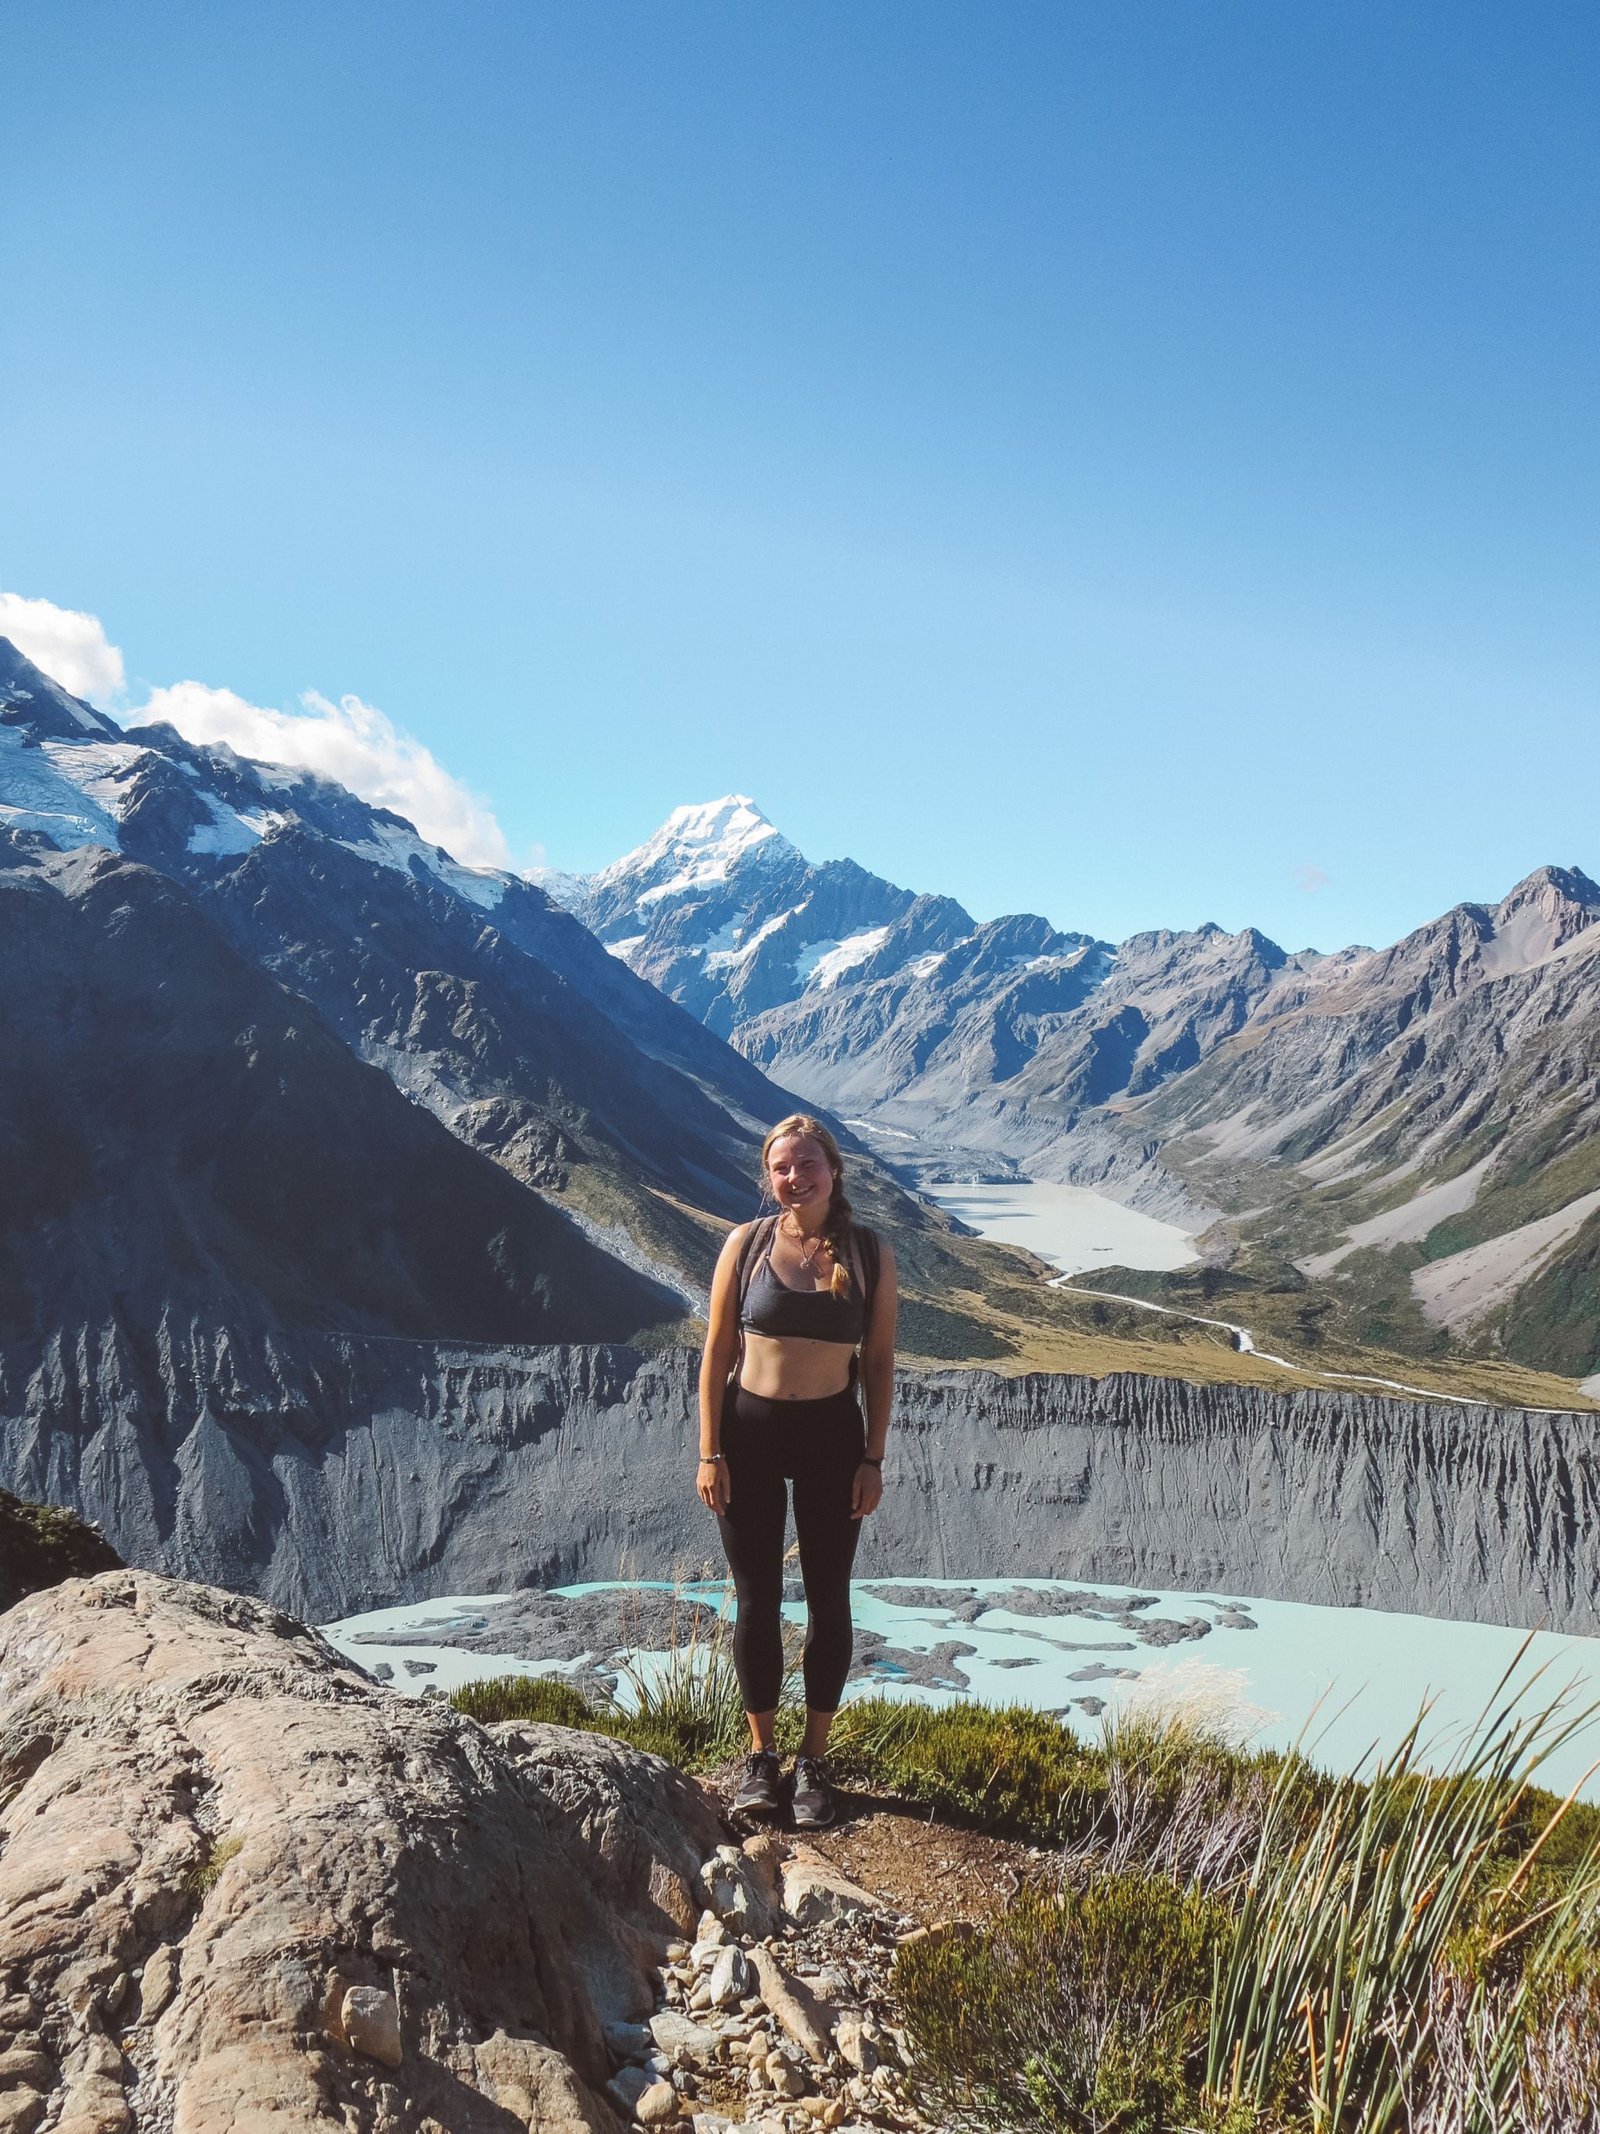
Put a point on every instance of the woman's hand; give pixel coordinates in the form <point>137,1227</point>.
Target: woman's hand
<point>711,1482</point>
<point>867,1490</point>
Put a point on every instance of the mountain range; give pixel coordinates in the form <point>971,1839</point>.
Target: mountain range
<point>272,1060</point>
<point>1401,1145</point>
<point>272,1055</point>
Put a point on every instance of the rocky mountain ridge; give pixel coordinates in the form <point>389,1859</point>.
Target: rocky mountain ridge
<point>329,940</point>
<point>475,997</point>
<point>1351,1118</point>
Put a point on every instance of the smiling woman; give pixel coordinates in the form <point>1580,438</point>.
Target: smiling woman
<point>802,1311</point>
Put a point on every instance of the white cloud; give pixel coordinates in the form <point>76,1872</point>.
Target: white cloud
<point>350,742</point>
<point>1311,877</point>
<point>69,646</point>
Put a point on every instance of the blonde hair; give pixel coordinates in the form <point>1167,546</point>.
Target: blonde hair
<point>836,1223</point>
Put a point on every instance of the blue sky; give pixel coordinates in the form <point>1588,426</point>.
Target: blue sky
<point>1133,462</point>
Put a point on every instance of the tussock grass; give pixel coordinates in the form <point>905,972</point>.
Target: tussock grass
<point>544,1700</point>
<point>1241,1942</point>
<point>1085,2011</point>
<point>1003,1768</point>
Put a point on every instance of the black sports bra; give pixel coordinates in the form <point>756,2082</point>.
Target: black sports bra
<point>771,1307</point>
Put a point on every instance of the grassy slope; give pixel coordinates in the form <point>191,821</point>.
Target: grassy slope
<point>1363,1315</point>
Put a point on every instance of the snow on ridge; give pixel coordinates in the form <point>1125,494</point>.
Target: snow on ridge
<point>624,950</point>
<point>824,963</point>
<point>733,820</point>
<point>721,952</point>
<point>393,846</point>
<point>68,789</point>
<point>231,830</point>
<point>696,847</point>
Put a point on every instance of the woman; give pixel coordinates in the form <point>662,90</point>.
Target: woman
<point>795,1295</point>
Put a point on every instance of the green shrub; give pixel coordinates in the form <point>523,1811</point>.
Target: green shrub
<point>1083,2012</point>
<point>546,1699</point>
<point>1002,1767</point>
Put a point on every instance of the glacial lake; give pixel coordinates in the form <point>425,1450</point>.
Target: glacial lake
<point>1270,1672</point>
<point>1074,1229</point>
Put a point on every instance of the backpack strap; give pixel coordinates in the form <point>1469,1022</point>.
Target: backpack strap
<point>760,1230</point>
<point>744,1271</point>
<point>865,1262</point>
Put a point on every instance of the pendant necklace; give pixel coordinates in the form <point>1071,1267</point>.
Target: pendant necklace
<point>808,1253</point>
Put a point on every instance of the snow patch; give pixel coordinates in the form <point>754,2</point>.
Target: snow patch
<point>722,955</point>
<point>231,830</point>
<point>825,962</point>
<point>70,790</point>
<point>623,950</point>
<point>392,845</point>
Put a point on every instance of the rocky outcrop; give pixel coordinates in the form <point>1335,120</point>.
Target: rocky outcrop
<point>340,1475</point>
<point>245,1891</point>
<point>242,1888</point>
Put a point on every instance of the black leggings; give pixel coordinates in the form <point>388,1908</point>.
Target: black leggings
<point>817,1445</point>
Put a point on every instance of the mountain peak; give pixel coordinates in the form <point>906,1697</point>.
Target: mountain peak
<point>28,697</point>
<point>1569,885</point>
<point>733,823</point>
<point>699,844</point>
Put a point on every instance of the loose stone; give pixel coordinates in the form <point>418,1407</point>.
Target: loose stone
<point>730,1978</point>
<point>158,1982</point>
<point>370,2018</point>
<point>680,2038</point>
<point>627,2086</point>
<point>855,2045</point>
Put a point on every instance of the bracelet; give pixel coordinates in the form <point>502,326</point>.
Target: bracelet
<point>868,1461</point>
<point>707,1458</point>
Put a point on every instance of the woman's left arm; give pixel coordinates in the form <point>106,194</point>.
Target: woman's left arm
<point>877,1380</point>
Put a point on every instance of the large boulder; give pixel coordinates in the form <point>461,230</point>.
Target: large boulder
<point>243,1888</point>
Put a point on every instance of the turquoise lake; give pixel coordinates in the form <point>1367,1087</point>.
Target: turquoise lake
<point>1266,1672</point>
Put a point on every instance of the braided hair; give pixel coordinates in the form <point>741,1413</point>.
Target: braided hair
<point>837,1222</point>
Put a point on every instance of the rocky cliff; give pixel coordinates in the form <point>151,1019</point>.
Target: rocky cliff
<point>333,1475</point>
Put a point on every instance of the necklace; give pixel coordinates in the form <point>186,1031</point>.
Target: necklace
<point>808,1250</point>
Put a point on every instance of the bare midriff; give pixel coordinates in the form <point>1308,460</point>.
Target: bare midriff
<point>792,1368</point>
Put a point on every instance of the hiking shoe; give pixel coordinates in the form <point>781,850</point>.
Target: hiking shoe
<point>757,1792</point>
<point>812,1802</point>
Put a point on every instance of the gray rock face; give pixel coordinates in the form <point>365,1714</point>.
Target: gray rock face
<point>335,1476</point>
<point>335,1904</point>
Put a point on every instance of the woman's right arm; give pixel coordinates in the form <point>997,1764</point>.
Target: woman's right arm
<point>716,1362</point>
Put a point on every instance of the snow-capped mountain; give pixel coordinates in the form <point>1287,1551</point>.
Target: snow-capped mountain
<point>723,914</point>
<point>76,777</point>
<point>981,1046</point>
<point>1377,1117</point>
<point>478,1000</point>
